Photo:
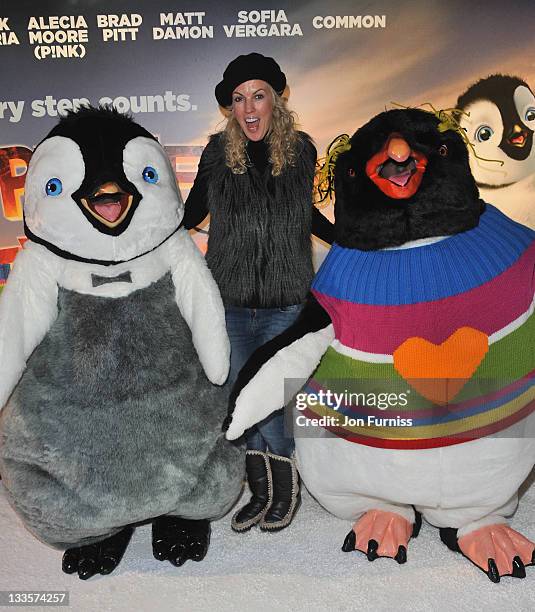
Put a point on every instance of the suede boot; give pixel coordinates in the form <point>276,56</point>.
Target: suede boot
<point>259,479</point>
<point>286,497</point>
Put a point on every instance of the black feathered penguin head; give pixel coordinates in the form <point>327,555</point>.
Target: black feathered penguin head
<point>499,121</point>
<point>100,188</point>
<point>402,180</point>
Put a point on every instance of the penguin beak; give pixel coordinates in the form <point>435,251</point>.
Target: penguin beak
<point>109,204</point>
<point>397,169</point>
<point>517,137</point>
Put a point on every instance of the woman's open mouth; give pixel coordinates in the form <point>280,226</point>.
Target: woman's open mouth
<point>252,124</point>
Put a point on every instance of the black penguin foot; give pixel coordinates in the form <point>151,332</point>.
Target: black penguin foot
<point>100,558</point>
<point>176,540</point>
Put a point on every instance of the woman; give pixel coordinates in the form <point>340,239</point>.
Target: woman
<point>255,179</point>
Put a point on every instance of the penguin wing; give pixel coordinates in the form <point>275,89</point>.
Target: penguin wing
<point>278,369</point>
<point>200,303</point>
<point>28,307</point>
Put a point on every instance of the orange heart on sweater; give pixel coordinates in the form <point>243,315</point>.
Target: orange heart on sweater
<point>440,371</point>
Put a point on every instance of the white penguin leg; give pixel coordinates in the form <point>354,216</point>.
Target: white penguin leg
<point>351,506</point>
<point>467,520</point>
<point>479,484</point>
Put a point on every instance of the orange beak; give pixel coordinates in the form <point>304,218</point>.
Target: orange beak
<point>397,169</point>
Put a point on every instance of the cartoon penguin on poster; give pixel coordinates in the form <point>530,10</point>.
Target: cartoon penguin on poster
<point>499,121</point>
<point>112,344</point>
<point>426,299</point>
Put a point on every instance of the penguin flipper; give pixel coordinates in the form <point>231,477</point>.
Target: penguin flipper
<point>199,301</point>
<point>278,369</point>
<point>28,307</point>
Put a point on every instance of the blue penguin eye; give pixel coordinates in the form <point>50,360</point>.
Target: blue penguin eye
<point>483,133</point>
<point>150,175</point>
<point>530,114</point>
<point>54,187</point>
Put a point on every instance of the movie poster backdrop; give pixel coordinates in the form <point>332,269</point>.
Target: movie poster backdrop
<point>345,61</point>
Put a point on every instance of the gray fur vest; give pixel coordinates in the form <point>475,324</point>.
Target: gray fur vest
<point>259,248</point>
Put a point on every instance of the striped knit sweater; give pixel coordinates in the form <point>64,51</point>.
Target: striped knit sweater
<point>447,327</point>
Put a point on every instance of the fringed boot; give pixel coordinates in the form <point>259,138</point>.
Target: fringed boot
<point>259,479</point>
<point>286,493</point>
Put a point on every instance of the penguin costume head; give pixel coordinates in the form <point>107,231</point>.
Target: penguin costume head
<point>401,180</point>
<point>100,189</point>
<point>499,122</point>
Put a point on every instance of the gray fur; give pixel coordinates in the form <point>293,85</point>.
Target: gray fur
<point>114,422</point>
<point>268,218</point>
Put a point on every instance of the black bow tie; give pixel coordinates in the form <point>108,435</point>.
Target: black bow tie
<point>97,280</point>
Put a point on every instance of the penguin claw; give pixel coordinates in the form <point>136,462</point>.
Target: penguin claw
<point>107,565</point>
<point>160,550</point>
<point>197,551</point>
<point>349,542</point>
<point>493,573</point>
<point>178,560</point>
<point>71,558</point>
<point>519,569</point>
<point>401,556</point>
<point>87,568</point>
<point>371,553</point>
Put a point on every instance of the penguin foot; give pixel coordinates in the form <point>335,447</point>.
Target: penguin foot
<point>100,558</point>
<point>499,551</point>
<point>176,540</point>
<point>380,534</point>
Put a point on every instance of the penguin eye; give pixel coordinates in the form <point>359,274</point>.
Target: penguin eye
<point>443,150</point>
<point>351,172</point>
<point>483,133</point>
<point>530,114</point>
<point>54,187</point>
<point>150,175</point>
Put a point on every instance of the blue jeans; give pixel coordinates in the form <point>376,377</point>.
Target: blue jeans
<point>249,329</point>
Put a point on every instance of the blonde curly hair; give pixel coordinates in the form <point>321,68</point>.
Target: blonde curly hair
<point>281,138</point>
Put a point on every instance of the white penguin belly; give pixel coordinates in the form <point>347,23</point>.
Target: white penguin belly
<point>346,477</point>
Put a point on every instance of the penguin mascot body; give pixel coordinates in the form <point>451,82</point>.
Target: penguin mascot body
<point>499,121</point>
<point>427,292</point>
<point>112,342</point>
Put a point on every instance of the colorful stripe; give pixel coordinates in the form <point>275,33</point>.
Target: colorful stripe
<point>433,414</point>
<point>430,272</point>
<point>423,443</point>
<point>500,394</point>
<point>490,421</point>
<point>488,308</point>
<point>510,358</point>
<point>437,430</point>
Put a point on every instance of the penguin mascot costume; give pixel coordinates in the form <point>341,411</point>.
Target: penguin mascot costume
<point>499,119</point>
<point>429,293</point>
<point>112,342</point>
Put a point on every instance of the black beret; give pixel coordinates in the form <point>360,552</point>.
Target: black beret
<point>246,68</point>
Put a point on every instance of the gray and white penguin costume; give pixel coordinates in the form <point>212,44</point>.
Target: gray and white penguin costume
<point>112,342</point>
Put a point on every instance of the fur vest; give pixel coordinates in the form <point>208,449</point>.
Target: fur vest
<point>259,248</point>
